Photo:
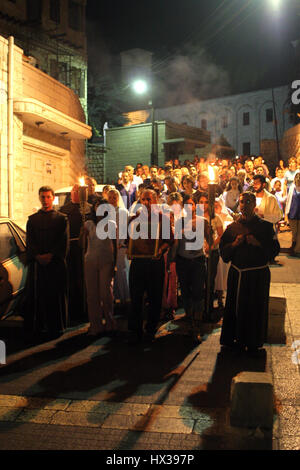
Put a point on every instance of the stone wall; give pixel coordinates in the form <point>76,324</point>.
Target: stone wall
<point>131,145</point>
<point>17,127</point>
<point>269,152</point>
<point>95,162</point>
<point>290,143</point>
<point>55,47</point>
<point>40,156</point>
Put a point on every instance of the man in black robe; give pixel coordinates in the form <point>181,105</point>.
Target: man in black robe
<point>250,244</point>
<point>47,244</point>
<point>77,309</point>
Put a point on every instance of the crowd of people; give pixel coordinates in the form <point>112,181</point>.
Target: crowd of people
<point>75,273</point>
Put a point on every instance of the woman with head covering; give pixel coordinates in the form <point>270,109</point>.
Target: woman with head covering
<point>121,281</point>
<point>232,193</point>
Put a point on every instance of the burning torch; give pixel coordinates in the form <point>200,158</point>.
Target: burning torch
<point>211,211</point>
<point>83,197</point>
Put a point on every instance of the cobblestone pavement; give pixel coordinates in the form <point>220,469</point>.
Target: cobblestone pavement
<point>74,393</point>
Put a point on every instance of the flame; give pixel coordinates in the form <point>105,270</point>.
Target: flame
<point>211,173</point>
<point>81,181</point>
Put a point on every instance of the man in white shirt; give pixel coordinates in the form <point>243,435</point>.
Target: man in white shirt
<point>137,180</point>
<point>267,206</point>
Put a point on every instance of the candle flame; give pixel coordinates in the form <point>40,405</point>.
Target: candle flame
<point>81,181</point>
<point>211,173</point>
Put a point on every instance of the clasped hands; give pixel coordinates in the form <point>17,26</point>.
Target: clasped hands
<point>45,259</point>
<point>250,239</point>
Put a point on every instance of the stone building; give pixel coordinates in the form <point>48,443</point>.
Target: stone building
<point>53,37</point>
<point>253,123</point>
<point>247,120</point>
<point>43,132</point>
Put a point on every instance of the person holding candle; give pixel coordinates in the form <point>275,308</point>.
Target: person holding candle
<point>147,270</point>
<point>212,251</point>
<point>76,299</point>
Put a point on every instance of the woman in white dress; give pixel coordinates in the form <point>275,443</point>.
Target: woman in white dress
<point>100,262</point>
<point>223,268</point>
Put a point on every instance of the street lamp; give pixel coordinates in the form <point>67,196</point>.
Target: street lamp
<point>275,4</point>
<point>141,87</point>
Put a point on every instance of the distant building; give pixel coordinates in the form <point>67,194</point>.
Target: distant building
<point>245,120</point>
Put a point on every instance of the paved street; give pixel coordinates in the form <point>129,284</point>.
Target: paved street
<point>74,393</point>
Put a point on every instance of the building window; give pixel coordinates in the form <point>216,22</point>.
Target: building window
<point>74,15</point>
<point>34,10</point>
<point>224,121</point>
<point>76,80</point>
<point>54,13</point>
<point>204,124</point>
<point>63,73</point>
<point>54,69</point>
<point>246,148</point>
<point>269,115</point>
<point>246,119</point>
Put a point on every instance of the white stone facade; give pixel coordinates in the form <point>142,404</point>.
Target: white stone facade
<point>44,142</point>
<point>225,116</point>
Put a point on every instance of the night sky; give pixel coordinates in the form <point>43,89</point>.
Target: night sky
<point>238,45</point>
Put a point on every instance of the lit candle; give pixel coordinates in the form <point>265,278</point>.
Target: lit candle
<point>211,191</point>
<point>83,191</point>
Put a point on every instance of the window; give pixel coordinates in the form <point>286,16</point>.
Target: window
<point>204,124</point>
<point>269,115</point>
<point>54,13</point>
<point>63,73</point>
<point>34,10</point>
<point>246,119</point>
<point>54,69</point>
<point>8,246</point>
<point>246,148</point>
<point>74,16</point>
<point>78,81</point>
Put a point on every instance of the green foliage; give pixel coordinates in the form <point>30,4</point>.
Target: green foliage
<point>107,100</point>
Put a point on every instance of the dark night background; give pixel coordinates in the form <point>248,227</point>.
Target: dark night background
<point>201,48</point>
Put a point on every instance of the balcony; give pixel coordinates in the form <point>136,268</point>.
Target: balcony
<point>48,102</point>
